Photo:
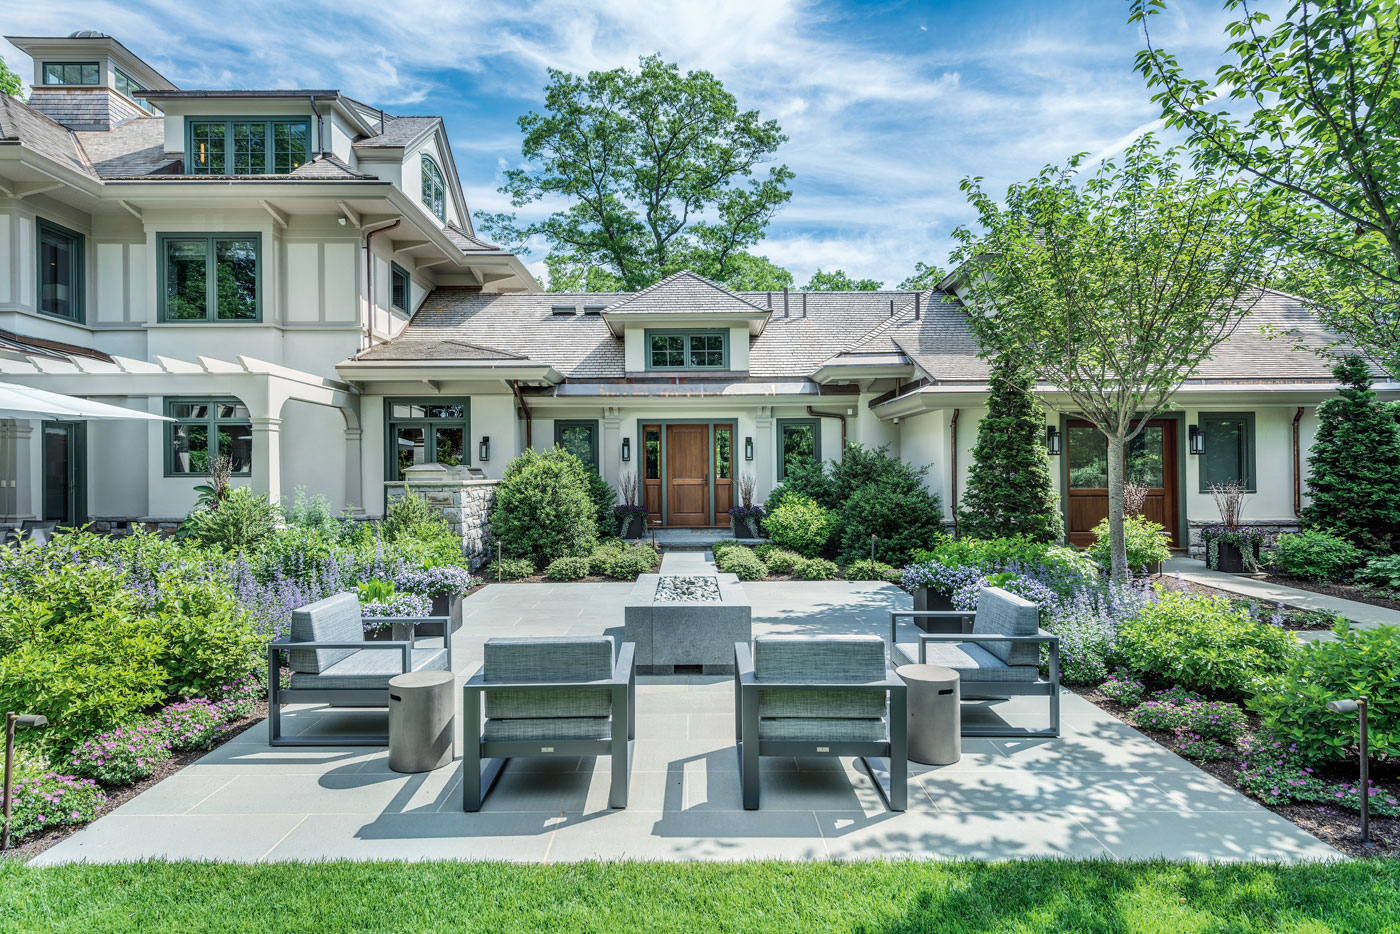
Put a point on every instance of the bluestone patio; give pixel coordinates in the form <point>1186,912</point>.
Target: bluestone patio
<point>1101,789</point>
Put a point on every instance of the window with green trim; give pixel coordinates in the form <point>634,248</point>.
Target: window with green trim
<point>400,288</point>
<point>799,439</point>
<point>214,277</point>
<point>131,87</point>
<point>206,429</point>
<point>81,73</point>
<point>687,350</point>
<point>427,431</point>
<point>578,437</point>
<point>60,271</point>
<point>1229,449</point>
<point>246,145</point>
<point>434,188</point>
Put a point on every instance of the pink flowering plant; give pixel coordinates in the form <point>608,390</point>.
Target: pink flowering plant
<point>1195,746</point>
<point>1123,689</point>
<point>1273,771</point>
<point>122,756</point>
<point>51,800</point>
<point>1163,716</point>
<point>193,724</point>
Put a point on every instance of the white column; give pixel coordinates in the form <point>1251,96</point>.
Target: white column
<point>267,457</point>
<point>765,454</point>
<point>354,491</point>
<point>610,449</point>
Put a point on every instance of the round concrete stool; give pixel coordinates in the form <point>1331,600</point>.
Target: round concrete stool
<point>935,714</point>
<point>420,721</point>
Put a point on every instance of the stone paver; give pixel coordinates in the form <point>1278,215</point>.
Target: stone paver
<point>1101,789</point>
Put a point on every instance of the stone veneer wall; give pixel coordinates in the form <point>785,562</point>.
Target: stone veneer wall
<point>465,504</point>
<point>1274,526</point>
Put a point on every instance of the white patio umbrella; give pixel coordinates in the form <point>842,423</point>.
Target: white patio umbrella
<point>18,401</point>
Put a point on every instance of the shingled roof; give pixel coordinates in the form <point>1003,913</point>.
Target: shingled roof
<point>22,125</point>
<point>685,293</point>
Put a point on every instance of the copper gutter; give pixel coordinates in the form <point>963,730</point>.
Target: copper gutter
<point>1297,464</point>
<point>815,414</point>
<point>369,280</point>
<point>953,484</point>
<point>515,387</point>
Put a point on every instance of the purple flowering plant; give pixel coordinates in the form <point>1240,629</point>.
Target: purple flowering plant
<point>122,756</point>
<point>1273,771</point>
<point>49,800</point>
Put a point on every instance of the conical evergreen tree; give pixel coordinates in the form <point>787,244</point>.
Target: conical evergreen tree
<point>1354,464</point>
<point>1009,488</point>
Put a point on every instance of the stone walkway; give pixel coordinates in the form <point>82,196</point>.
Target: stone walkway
<point>1102,789</point>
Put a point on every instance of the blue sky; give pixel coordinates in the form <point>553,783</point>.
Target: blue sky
<point>888,106</point>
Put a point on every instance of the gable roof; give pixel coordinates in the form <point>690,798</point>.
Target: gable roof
<point>399,132</point>
<point>686,293</point>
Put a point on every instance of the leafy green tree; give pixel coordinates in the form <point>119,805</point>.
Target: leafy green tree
<point>1010,491</point>
<point>565,275</point>
<point>659,170</point>
<point>749,273</point>
<point>10,82</point>
<point>1354,464</point>
<point>838,281</point>
<point>1308,113</point>
<point>923,278</point>
<point>1113,287</point>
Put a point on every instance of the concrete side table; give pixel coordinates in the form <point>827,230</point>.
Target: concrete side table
<point>935,713</point>
<point>420,721</point>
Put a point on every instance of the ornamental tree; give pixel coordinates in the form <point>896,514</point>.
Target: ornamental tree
<point>1113,288</point>
<point>1009,488</point>
<point>1307,111</point>
<point>1354,464</point>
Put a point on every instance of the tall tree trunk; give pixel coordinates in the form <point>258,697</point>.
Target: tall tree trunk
<point>1118,545</point>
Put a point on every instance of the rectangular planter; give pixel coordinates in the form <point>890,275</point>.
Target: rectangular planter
<point>635,526</point>
<point>739,528</point>
<point>1229,558</point>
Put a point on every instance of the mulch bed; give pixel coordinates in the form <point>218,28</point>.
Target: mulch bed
<point>1336,826</point>
<point>31,846</point>
<point>1294,619</point>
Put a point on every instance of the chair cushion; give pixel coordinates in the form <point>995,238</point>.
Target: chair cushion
<point>555,658</point>
<point>846,729</point>
<point>1005,614</point>
<point>556,728</point>
<point>820,660</point>
<point>823,703</point>
<point>334,619</point>
<point>974,663</point>
<point>370,668</point>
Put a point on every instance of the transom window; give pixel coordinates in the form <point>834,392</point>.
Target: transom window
<point>434,189</point>
<point>400,288</point>
<point>210,277</point>
<point>131,87</point>
<point>579,438</point>
<point>687,350</point>
<point>1229,449</point>
<point>206,429</point>
<point>427,431</point>
<point>246,146</point>
<point>60,271</point>
<point>72,73</point>
<point>799,440</point>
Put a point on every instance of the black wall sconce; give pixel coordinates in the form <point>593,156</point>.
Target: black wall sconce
<point>748,449</point>
<point>1196,439</point>
<point>483,450</point>
<point>1052,440</point>
<point>626,449</point>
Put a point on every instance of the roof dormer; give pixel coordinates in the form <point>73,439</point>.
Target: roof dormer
<point>88,80</point>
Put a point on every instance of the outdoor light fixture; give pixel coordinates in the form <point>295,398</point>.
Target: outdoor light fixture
<point>1052,440</point>
<point>626,449</point>
<point>11,719</point>
<point>1358,707</point>
<point>1198,440</point>
<point>483,450</point>
<point>748,449</point>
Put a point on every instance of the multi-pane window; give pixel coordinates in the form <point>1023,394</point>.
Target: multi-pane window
<point>131,87</point>
<point>678,350</point>
<point>1229,448</point>
<point>799,440</point>
<point>579,438</point>
<point>72,73</point>
<point>210,278</point>
<point>400,290</point>
<point>724,452</point>
<point>427,432</point>
<point>651,452</point>
<point>434,189</point>
<point>60,271</point>
<point>206,429</point>
<point>267,146</point>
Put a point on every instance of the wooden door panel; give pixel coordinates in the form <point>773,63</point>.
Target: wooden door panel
<point>1087,507</point>
<point>687,475</point>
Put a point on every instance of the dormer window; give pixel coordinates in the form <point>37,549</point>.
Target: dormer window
<point>434,190</point>
<point>687,350</point>
<point>131,87</point>
<point>246,146</point>
<point>73,73</point>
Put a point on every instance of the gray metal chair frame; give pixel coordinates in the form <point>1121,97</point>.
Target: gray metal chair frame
<point>892,781</point>
<point>483,760</point>
<point>957,627</point>
<point>342,697</point>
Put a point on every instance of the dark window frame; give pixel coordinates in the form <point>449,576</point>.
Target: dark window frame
<point>433,186</point>
<point>686,335</point>
<point>211,285</point>
<point>79,261</point>
<point>96,82</point>
<point>429,424</point>
<point>212,422</point>
<point>397,273</point>
<point>1251,478</point>
<point>590,423</point>
<point>269,154</point>
<point>130,91</point>
<point>783,423</point>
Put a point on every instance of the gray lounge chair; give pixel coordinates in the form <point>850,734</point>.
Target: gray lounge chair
<point>333,664</point>
<point>995,651</point>
<point>820,696</point>
<point>557,696</point>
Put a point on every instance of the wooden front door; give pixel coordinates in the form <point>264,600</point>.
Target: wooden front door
<point>1150,461</point>
<point>688,475</point>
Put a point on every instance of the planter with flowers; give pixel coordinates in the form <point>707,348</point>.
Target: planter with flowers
<point>746,519</point>
<point>1232,547</point>
<point>631,516</point>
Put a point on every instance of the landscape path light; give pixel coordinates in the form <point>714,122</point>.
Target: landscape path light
<point>11,720</point>
<point>1358,707</point>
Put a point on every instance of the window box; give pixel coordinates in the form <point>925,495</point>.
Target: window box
<point>207,277</point>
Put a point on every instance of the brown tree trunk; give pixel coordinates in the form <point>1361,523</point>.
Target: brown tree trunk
<point>1118,546</point>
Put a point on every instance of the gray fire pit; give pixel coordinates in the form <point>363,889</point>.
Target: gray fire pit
<point>687,621</point>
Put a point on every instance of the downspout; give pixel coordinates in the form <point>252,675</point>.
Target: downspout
<point>815,414</point>
<point>1297,464</point>
<point>320,127</point>
<point>953,483</point>
<point>515,387</point>
<point>369,280</point>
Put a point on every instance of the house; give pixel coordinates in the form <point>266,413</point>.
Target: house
<point>294,278</point>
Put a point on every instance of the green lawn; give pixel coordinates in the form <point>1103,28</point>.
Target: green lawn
<point>786,897</point>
